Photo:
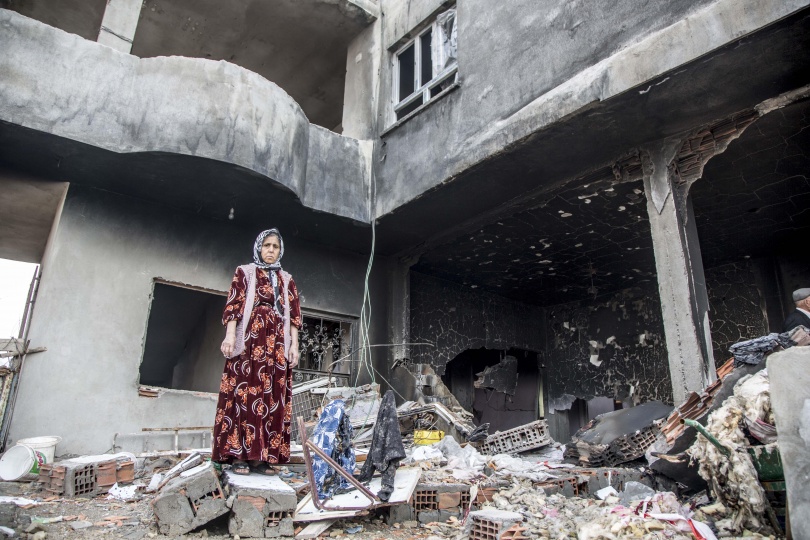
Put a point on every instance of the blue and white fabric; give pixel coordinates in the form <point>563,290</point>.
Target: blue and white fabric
<point>333,434</point>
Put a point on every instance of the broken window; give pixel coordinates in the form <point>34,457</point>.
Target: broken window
<point>426,65</point>
<point>324,342</point>
<point>183,336</point>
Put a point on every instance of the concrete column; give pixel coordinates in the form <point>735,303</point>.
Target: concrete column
<point>119,24</point>
<point>681,284</point>
<point>399,317</point>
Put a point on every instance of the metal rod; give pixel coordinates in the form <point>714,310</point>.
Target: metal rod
<point>309,445</point>
<point>712,439</point>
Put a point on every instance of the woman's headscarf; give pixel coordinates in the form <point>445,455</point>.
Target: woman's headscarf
<point>271,268</point>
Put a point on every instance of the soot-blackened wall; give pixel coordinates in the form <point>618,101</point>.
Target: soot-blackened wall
<point>456,318</point>
<point>613,346</point>
<point>735,307</point>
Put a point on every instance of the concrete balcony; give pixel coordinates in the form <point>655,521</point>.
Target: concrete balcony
<point>94,103</point>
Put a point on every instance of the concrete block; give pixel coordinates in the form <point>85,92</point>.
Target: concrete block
<point>430,516</point>
<point>189,501</point>
<point>492,524</point>
<point>262,506</point>
<point>789,373</point>
<point>86,476</point>
<point>449,500</point>
<point>400,513</point>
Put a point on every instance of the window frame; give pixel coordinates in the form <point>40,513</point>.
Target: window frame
<point>425,89</point>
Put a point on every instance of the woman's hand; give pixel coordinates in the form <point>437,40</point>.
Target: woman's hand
<point>229,343</point>
<point>293,353</point>
<point>228,346</point>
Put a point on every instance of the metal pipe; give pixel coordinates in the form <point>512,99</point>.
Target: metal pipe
<point>712,439</point>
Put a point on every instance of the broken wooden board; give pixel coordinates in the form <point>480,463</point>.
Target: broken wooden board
<point>314,529</point>
<point>405,483</point>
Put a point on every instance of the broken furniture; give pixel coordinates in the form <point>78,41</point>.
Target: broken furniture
<point>192,499</point>
<point>347,504</point>
<point>262,506</point>
<point>435,414</point>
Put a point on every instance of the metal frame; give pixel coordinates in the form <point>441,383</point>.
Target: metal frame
<point>313,489</point>
<point>423,88</point>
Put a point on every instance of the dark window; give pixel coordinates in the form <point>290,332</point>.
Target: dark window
<point>407,67</point>
<point>183,336</point>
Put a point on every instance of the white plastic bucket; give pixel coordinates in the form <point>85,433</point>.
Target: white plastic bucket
<point>21,463</point>
<point>46,445</point>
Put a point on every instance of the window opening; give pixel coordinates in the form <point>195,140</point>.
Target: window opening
<point>323,341</point>
<point>426,65</point>
<point>183,336</point>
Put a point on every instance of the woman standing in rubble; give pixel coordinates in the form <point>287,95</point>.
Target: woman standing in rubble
<point>262,318</point>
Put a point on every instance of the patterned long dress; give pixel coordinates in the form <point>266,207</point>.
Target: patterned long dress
<point>255,395</point>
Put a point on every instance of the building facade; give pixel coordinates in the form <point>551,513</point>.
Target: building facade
<point>585,202</point>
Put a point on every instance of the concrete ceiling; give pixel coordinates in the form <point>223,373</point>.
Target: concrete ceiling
<point>300,45</point>
<point>28,208</point>
<point>81,17</point>
<point>579,242</point>
<point>754,199</point>
<point>713,87</point>
<point>184,183</point>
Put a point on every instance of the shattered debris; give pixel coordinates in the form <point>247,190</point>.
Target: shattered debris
<point>723,454</point>
<point>507,485</point>
<point>619,436</point>
<point>502,377</point>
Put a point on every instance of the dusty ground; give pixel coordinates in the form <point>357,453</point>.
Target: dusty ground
<point>103,518</point>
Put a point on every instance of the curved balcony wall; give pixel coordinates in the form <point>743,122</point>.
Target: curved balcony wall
<point>61,84</point>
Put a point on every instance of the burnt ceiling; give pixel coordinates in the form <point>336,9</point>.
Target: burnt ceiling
<point>583,240</point>
<point>754,199</point>
<point>592,237</point>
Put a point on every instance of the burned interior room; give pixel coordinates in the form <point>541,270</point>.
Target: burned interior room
<point>528,262</point>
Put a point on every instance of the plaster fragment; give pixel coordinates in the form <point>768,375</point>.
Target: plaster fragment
<point>595,360</point>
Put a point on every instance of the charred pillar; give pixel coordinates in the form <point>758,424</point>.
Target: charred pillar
<point>681,284</point>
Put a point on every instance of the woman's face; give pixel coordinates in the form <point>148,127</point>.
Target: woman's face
<point>271,248</point>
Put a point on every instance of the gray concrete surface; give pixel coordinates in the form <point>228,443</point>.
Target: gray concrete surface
<point>789,373</point>
<point>691,363</point>
<point>514,84</point>
<point>94,301</point>
<point>119,24</point>
<point>76,89</point>
<point>298,44</point>
<point>28,208</point>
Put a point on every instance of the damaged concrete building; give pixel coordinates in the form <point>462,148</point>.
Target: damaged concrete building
<point>570,207</point>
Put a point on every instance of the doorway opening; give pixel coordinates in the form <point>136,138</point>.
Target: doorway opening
<point>503,388</point>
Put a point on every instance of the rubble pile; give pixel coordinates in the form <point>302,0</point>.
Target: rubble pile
<point>469,483</point>
<point>728,467</point>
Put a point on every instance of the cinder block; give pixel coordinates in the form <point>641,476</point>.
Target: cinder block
<point>400,513</point>
<point>494,525</point>
<point>262,508</point>
<point>192,499</point>
<point>440,516</point>
<point>85,477</point>
<point>519,439</point>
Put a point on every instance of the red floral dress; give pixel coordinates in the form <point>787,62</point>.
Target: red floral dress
<point>255,395</point>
